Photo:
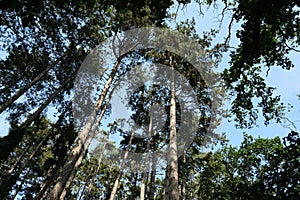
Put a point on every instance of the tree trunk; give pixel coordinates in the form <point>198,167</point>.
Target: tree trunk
<point>41,142</point>
<point>44,187</point>
<point>2,91</point>
<point>152,179</point>
<point>34,116</point>
<point>75,156</point>
<point>153,176</point>
<point>143,183</point>
<point>52,171</point>
<point>143,186</point>
<point>30,84</point>
<point>90,187</point>
<point>85,147</point>
<point>184,176</point>
<point>117,181</point>
<point>171,190</point>
<point>45,104</point>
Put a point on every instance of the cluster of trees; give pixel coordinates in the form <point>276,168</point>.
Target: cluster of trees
<point>257,169</point>
<point>45,156</point>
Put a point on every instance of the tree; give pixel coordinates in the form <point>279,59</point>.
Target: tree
<point>62,33</point>
<point>266,38</point>
<point>256,169</point>
<point>36,154</point>
<point>46,42</point>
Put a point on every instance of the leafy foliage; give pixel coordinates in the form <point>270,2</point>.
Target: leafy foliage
<point>46,42</point>
<point>258,169</point>
<point>269,32</point>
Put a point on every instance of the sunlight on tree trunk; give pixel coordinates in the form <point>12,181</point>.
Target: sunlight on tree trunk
<point>145,170</point>
<point>82,137</point>
<point>85,147</point>
<point>171,190</point>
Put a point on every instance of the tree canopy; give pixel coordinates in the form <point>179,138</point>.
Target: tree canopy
<point>53,151</point>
